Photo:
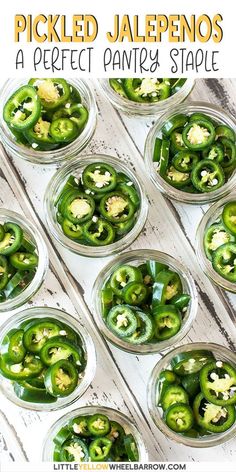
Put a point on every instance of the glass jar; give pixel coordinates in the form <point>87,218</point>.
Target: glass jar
<point>34,236</point>
<point>136,258</point>
<point>113,415</point>
<point>211,216</point>
<point>212,111</point>
<point>6,386</point>
<point>145,109</point>
<point>221,353</point>
<point>76,167</point>
<point>64,153</point>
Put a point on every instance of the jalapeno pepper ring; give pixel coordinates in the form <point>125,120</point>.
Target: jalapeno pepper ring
<point>61,378</point>
<point>116,207</point>
<point>198,134</point>
<point>22,109</point>
<point>207,176</point>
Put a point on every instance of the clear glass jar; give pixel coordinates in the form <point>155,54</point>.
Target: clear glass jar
<point>136,258</point>
<point>212,111</point>
<point>211,216</point>
<point>145,109</point>
<point>15,149</point>
<point>220,353</point>
<point>36,238</point>
<point>76,167</point>
<point>113,415</point>
<point>6,386</point>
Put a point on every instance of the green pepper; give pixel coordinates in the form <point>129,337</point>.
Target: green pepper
<point>215,152</point>
<point>79,425</point>
<point>223,261</point>
<point>3,272</point>
<point>144,331</point>
<point>207,176</point>
<point>167,285</point>
<point>74,450</point>
<point>177,85</point>
<point>164,158</point>
<point>176,122</point>
<point>72,230</point>
<point>185,161</point>
<point>229,153</point>
<point>124,275</point>
<point>122,321</point>
<point>190,362</point>
<point>61,378</point>
<point>26,392</point>
<point>38,333</point>
<point>146,90</point>
<point>198,134</point>
<point>123,228</point>
<point>99,177</point>
<point>39,136</point>
<point>181,301</point>
<point>173,394</point>
<point>24,260</point>
<point>179,417</point>
<point>22,109</point>
<point>63,130</point>
<point>116,207</point>
<point>229,217</point>
<point>52,92</point>
<point>78,207</point>
<point>224,131</point>
<point>18,283</point>
<point>107,295</point>
<point>98,425</point>
<point>215,236</point>
<point>167,321</point>
<point>218,383</point>
<point>63,434</point>
<point>99,449</point>
<point>98,232</point>
<point>135,293</point>
<point>154,267</point>
<point>75,112</point>
<point>166,378</point>
<point>176,178</point>
<point>2,232</point>
<point>30,367</point>
<point>131,448</point>
<point>117,86</point>
<point>191,384</point>
<point>176,141</point>
<point>211,417</point>
<point>12,239</point>
<point>157,150</point>
<point>128,189</point>
<point>12,347</point>
<point>57,348</point>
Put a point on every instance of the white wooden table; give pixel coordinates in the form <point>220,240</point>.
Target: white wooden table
<point>121,378</point>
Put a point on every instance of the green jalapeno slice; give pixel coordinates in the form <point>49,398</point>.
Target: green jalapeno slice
<point>39,136</point>
<point>146,90</point>
<point>211,417</point>
<point>229,217</point>
<point>167,321</point>
<point>157,150</point>
<point>63,130</point>
<point>61,378</point>
<point>79,425</point>
<point>72,230</point>
<point>218,383</point>
<point>78,207</point>
<point>116,207</point>
<point>167,285</point>
<point>99,449</point>
<point>179,417</point>
<point>181,301</point>
<point>229,153</point>
<point>4,271</point>
<point>52,92</point>
<point>58,348</point>
<point>12,239</point>
<point>224,261</point>
<point>198,134</point>
<point>22,109</point>
<point>173,394</point>
<point>76,112</point>
<point>74,450</point>
<point>30,367</point>
<point>24,260</point>
<point>98,425</point>
<point>12,347</point>
<point>144,331</point>
<point>131,448</point>
<point>191,384</point>
<point>117,86</point>
<point>122,320</point>
<point>174,123</point>
<point>164,158</point>
<point>176,178</point>
<point>38,333</point>
<point>215,236</point>
<point>184,161</point>
<point>26,392</point>
<point>166,378</point>
<point>215,152</point>
<point>99,177</point>
<point>176,141</point>
<point>186,363</point>
<point>224,131</point>
<point>135,293</point>
<point>124,275</point>
<point>207,176</point>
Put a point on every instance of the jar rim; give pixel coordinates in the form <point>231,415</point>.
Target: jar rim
<point>43,260</point>
<point>208,218</point>
<point>57,155</point>
<point>93,409</point>
<point>53,188</point>
<point>89,372</point>
<point>204,441</point>
<point>171,192</point>
<point>143,108</point>
<point>135,256</point>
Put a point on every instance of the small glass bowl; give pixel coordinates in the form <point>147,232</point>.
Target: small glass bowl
<point>36,238</point>
<point>6,386</point>
<point>145,109</point>
<point>113,415</point>
<point>15,149</point>
<point>221,353</point>
<point>54,188</point>
<point>136,258</point>
<point>212,111</point>
<point>211,216</point>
